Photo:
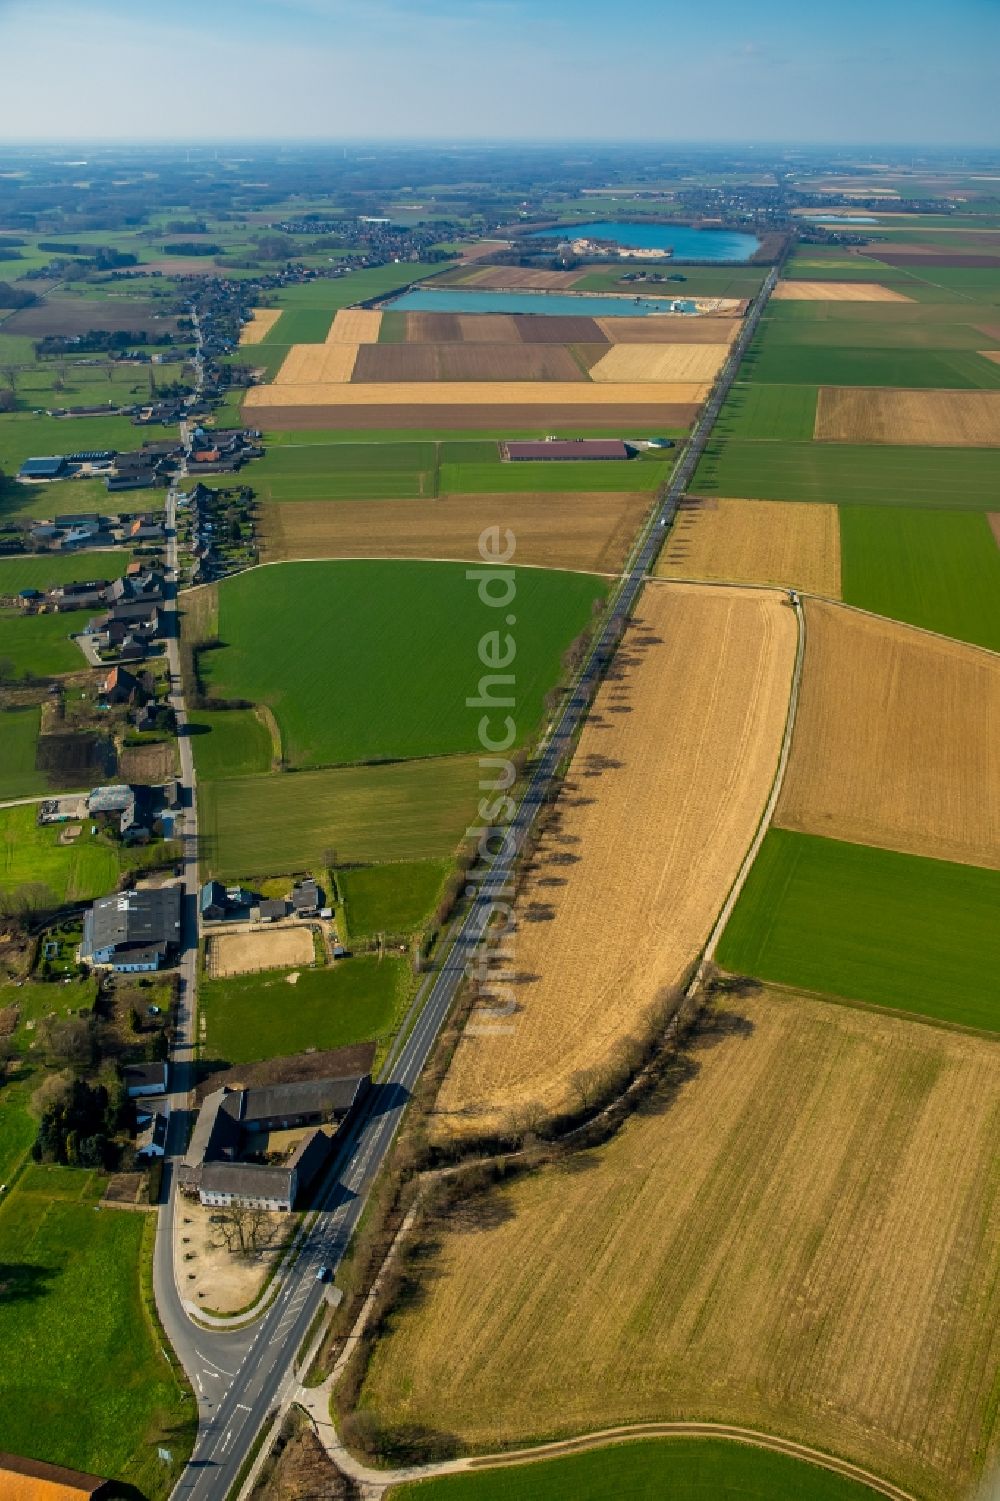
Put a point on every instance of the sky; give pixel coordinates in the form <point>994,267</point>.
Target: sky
<point>791,71</point>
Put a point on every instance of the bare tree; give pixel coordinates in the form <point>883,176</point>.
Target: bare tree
<point>243,1228</point>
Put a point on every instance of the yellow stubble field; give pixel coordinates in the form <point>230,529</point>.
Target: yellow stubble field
<point>851,414</point>
<point>756,542</point>
<point>896,741</point>
<point>264,319</point>
<point>355,325</point>
<point>836,291</point>
<point>305,389</point>
<point>802,1238</point>
<point>660,362</point>
<point>664,794</point>
<point>311,364</point>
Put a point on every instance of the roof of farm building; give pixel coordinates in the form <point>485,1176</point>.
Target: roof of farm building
<point>24,1479</point>
<point>566,448</point>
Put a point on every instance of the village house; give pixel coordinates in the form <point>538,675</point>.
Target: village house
<point>145,1079</point>
<point>133,931</point>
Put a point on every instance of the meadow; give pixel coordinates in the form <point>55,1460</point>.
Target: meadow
<point>19,729</point>
<point>46,570</point>
<point>796,1234</point>
<point>229,743</point>
<point>362,661</point>
<point>783,413</point>
<point>835,365</point>
<point>64,497</point>
<point>77,872</point>
<point>851,474</point>
<point>396,897</point>
<point>83,1381</point>
<point>257,826</point>
<point>685,1469</point>
<point>24,436</point>
<point>39,645</point>
<point>917,935</point>
<point>936,569</point>
<point>269,1015</point>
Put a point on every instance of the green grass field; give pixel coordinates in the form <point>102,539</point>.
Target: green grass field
<point>833,365</point>
<point>872,925</point>
<point>233,743</point>
<point>783,413</point>
<point>82,1382</point>
<point>394,898</point>
<point>938,569</point>
<point>19,729</point>
<point>699,281</point>
<point>365,661</point>
<point>65,497</point>
<point>490,475</point>
<point>258,826</point>
<point>24,436</point>
<point>75,872</point>
<point>249,1017</point>
<point>882,326</point>
<point>675,1469</point>
<point>851,474</point>
<point>45,570</point>
<point>40,644</point>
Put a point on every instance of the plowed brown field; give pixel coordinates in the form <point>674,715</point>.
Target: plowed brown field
<point>569,329</point>
<point>318,392</point>
<point>591,533</point>
<point>493,362</point>
<point>756,542</point>
<point>662,799</point>
<point>639,417</point>
<point>896,740</point>
<point>671,328</point>
<point>800,1236</point>
<point>264,319</point>
<point>508,278</point>
<point>851,414</point>
<point>355,325</point>
<point>314,365</point>
<point>658,362</point>
<point>836,291</point>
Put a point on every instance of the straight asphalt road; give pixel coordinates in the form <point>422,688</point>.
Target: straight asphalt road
<point>241,1375</point>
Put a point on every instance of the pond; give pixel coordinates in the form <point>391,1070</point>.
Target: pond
<point>687,244</point>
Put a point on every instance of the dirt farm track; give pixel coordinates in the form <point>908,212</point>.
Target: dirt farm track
<point>666,788</point>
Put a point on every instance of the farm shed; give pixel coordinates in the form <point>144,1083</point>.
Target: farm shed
<point>566,448</point>
<point>23,1479</point>
<point>45,468</point>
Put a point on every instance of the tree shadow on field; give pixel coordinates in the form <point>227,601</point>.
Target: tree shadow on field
<point>563,857</point>
<point>538,912</point>
<point>23,1282</point>
<point>596,765</point>
<point>676,1073</point>
<point>574,1164</point>
<point>551,881</point>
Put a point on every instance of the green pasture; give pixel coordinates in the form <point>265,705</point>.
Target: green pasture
<point>851,473</point>
<point>917,935</point>
<point>392,898</point>
<point>64,498</point>
<point>834,365</point>
<point>229,743</point>
<point>24,436</point>
<point>936,569</point>
<point>19,729</point>
<point>699,281</point>
<point>77,872</point>
<point>83,1382</point>
<point>264,825</point>
<point>783,413</point>
<point>46,570</point>
<point>40,644</point>
<point>364,661</point>
<point>265,1015</point>
<point>674,1469</point>
<point>853,326</point>
<point>91,385</point>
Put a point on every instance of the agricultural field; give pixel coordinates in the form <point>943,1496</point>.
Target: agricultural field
<point>46,570</point>
<point>756,542</point>
<point>949,370</point>
<point>87,867</point>
<point>24,436</point>
<point>391,898</point>
<point>257,825</point>
<point>895,740</point>
<point>466,362</point>
<point>660,362</point>
<point>65,497</point>
<point>851,474</point>
<point>307,311</point>
<point>633,870</point>
<point>260,325</point>
<point>394,684</point>
<point>308,363</point>
<point>39,645</point>
<point>83,1380</point>
<point>587,533</point>
<point>952,418</point>
<point>803,290</point>
<point>494,396</point>
<point>19,731</point>
<point>785,413</point>
<point>936,569</point>
<point>915,935</point>
<point>669,328</point>
<point>804,1219</point>
<point>355,325</point>
<point>230,743</point>
<point>245,1018</point>
<point>683,1468</point>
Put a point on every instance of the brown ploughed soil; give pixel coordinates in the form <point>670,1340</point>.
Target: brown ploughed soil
<point>491,362</point>
<point>896,740</point>
<point>670,328</point>
<point>661,802</point>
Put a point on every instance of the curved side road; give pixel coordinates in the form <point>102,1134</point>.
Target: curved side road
<point>243,1376</point>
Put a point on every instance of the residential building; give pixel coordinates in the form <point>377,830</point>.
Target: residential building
<point>133,931</point>
<point>145,1079</point>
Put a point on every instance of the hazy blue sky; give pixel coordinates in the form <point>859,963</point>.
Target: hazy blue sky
<point>774,70</point>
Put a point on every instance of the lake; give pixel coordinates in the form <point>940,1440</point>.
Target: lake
<point>687,244</point>
<point>839,218</point>
<point>458,300</point>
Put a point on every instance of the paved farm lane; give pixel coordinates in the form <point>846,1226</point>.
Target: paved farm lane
<point>241,1377</point>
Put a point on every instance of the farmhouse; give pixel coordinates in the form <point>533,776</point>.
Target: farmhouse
<point>273,909</point>
<point>152,1118</point>
<point>145,1079</point>
<point>24,1479</point>
<point>35,471</point>
<point>133,930</point>
<point>307,898</point>
<point>231,1123</point>
<point>566,448</point>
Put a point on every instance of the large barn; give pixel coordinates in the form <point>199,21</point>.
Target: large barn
<point>566,448</point>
